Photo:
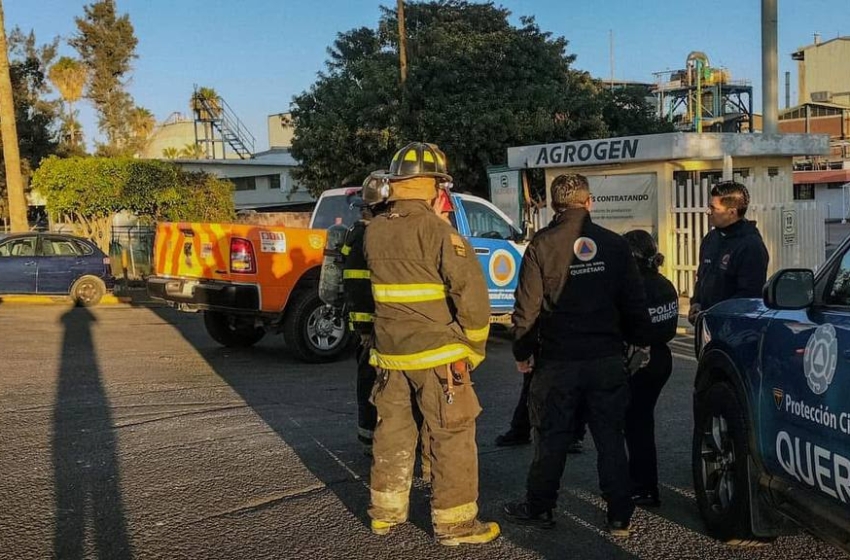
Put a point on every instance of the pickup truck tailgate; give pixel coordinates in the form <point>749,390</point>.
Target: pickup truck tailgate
<point>193,250</point>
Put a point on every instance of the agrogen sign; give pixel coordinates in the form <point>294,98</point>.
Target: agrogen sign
<point>586,152</point>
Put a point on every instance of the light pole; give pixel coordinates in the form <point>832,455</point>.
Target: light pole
<point>769,68</point>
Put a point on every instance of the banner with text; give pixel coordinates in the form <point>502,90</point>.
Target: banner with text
<point>625,202</point>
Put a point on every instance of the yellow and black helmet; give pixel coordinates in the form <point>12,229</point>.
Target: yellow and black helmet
<point>419,159</point>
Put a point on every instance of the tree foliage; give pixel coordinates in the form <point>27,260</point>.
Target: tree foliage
<point>87,192</point>
<point>627,111</point>
<point>476,85</point>
<point>35,115</point>
<point>106,43</point>
<point>69,77</point>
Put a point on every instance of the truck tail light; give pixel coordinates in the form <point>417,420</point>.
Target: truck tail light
<point>242,256</point>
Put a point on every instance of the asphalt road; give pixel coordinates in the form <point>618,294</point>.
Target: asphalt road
<point>125,432</point>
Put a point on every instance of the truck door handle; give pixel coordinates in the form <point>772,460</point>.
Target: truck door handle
<point>482,251</point>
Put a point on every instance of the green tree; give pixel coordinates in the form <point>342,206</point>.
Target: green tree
<point>142,123</point>
<point>69,76</point>
<point>630,111</point>
<point>476,85</point>
<point>191,151</point>
<point>34,114</point>
<point>106,44</point>
<point>87,193</point>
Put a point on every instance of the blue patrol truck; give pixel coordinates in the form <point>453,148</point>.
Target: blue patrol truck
<point>771,442</point>
<point>497,242</point>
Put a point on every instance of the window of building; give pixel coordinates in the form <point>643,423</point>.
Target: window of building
<point>805,191</point>
<point>244,183</point>
<point>274,182</point>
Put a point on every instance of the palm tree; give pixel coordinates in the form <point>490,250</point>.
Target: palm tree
<point>9,131</point>
<point>142,122</point>
<point>206,103</point>
<point>192,151</point>
<point>170,152</point>
<point>69,77</point>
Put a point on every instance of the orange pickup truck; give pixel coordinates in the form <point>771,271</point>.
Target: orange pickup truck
<point>249,280</point>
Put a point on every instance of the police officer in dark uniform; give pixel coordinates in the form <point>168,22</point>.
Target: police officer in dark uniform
<point>579,297</point>
<point>646,383</point>
<point>732,257</point>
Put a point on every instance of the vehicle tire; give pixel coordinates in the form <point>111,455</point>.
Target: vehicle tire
<point>232,331</point>
<point>87,291</point>
<point>719,461</point>
<point>312,331</point>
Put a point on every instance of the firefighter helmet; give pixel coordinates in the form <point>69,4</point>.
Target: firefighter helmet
<point>376,189</point>
<point>419,159</point>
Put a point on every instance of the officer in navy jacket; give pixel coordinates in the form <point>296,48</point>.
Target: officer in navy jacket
<point>732,257</point>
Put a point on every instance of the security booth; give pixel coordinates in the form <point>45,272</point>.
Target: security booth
<point>661,183</point>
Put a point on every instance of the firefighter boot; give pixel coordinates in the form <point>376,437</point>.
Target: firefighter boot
<point>468,532</point>
<point>382,527</point>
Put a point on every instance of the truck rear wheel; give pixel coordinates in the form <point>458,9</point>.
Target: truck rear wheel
<point>232,331</point>
<point>313,331</point>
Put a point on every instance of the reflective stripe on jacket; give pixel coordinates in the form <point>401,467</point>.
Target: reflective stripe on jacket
<point>431,301</point>
<point>357,286</point>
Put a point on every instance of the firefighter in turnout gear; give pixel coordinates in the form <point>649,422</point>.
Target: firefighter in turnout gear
<point>360,307</point>
<point>430,326</point>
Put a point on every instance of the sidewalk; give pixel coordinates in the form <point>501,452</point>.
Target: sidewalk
<point>684,327</point>
<point>121,296</point>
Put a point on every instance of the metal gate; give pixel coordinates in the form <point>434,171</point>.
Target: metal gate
<point>792,230</point>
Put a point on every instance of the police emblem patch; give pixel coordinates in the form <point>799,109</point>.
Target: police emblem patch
<point>820,359</point>
<point>459,247</point>
<point>584,249</point>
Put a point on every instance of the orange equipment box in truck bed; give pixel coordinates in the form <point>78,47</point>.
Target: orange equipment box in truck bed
<point>249,280</point>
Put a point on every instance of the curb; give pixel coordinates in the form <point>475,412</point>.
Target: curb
<point>108,299</point>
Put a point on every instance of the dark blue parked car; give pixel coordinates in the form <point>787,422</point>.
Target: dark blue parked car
<point>52,263</point>
<point>771,445</point>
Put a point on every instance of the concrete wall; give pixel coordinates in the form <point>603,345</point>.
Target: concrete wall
<point>263,194</point>
<point>281,130</point>
<point>825,68</point>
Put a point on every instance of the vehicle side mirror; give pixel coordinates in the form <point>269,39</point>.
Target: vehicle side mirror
<point>791,288</point>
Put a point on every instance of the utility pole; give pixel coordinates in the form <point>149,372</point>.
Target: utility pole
<point>9,131</point>
<point>611,54</point>
<point>402,42</point>
<point>769,67</point>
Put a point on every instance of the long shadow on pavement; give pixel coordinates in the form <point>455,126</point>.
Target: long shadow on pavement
<point>85,463</point>
<point>302,403</point>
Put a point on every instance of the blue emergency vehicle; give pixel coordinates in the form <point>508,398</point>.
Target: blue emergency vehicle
<point>771,442</point>
<point>497,242</point>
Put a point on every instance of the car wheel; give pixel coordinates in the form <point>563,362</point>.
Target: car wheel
<point>232,331</point>
<point>313,331</point>
<point>88,291</point>
<point>720,459</point>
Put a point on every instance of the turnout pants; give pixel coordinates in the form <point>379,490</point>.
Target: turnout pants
<point>559,390</point>
<point>646,385</point>
<point>367,416</point>
<point>452,450</point>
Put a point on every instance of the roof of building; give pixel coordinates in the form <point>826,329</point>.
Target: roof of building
<point>819,44</point>
<point>819,177</point>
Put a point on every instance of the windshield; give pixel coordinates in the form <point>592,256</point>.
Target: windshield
<point>335,206</point>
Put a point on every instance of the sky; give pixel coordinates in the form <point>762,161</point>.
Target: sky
<point>258,54</point>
